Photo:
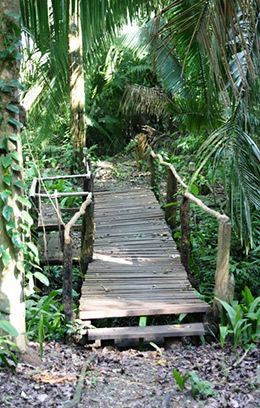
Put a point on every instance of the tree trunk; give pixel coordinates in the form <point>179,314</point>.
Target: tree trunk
<point>12,305</point>
<point>77,87</point>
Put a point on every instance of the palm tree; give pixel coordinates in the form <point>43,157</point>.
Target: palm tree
<point>216,43</point>
<point>68,34</point>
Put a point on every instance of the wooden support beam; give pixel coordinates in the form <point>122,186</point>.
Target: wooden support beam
<point>171,211</point>
<point>152,171</point>
<point>88,230</point>
<point>67,282</point>
<point>68,194</point>
<point>224,285</point>
<point>69,176</point>
<point>185,235</point>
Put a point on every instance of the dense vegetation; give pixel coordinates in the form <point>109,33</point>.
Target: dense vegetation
<point>200,99</point>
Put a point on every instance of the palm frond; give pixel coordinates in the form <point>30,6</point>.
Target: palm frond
<point>141,99</point>
<point>237,157</point>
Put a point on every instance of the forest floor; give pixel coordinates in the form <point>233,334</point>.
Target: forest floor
<point>133,378</point>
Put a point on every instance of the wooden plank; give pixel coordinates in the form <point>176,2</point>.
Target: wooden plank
<point>143,311</point>
<point>67,176</point>
<point>119,333</point>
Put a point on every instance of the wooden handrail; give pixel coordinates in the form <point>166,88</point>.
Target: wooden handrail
<point>68,194</point>
<point>224,282</point>
<point>187,194</point>
<point>69,176</point>
<point>76,216</point>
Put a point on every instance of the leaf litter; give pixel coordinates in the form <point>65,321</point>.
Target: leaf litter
<point>133,378</point>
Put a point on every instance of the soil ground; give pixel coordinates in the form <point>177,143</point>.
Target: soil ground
<point>133,378</point>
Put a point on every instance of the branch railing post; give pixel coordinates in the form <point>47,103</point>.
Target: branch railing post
<point>88,223</point>
<point>224,285</point>
<point>185,234</point>
<point>171,197</point>
<point>152,171</point>
<point>224,282</point>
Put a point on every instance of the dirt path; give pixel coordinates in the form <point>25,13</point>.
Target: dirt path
<point>132,378</point>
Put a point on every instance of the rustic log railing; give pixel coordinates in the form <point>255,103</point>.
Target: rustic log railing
<point>86,211</point>
<point>223,281</point>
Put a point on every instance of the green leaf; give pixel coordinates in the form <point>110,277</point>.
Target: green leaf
<point>8,328</point>
<point>194,189</point>
<point>13,15</point>
<point>15,122</point>
<point>6,162</point>
<point>12,108</point>
<point>16,84</point>
<point>20,184</point>
<point>16,156</point>
<point>20,266</point>
<point>42,278</point>
<point>17,167</point>
<point>24,201</point>
<point>6,258</point>
<point>33,248</point>
<point>7,212</point>
<point>26,217</point>
<point>9,227</point>
<point>7,179</point>
<point>4,144</point>
<point>13,137</point>
<point>142,321</point>
<point>16,240</point>
<point>5,194</point>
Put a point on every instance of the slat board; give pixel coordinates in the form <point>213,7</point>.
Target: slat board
<point>136,268</point>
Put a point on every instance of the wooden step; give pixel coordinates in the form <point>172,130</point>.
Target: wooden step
<point>136,332</point>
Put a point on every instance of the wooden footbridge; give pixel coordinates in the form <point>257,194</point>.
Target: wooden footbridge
<point>136,269</point>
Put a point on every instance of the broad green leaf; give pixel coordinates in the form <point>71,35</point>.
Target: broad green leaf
<point>194,189</point>
<point>6,162</point>
<point>24,201</point>
<point>16,156</point>
<point>15,122</point>
<point>20,184</point>
<point>33,248</point>
<point>4,144</point>
<point>230,311</point>
<point>26,217</point>
<point>7,212</point>
<point>17,167</point>
<point>7,179</point>
<point>13,137</point>
<point>5,194</point>
<point>16,84</point>
<point>42,278</point>
<point>8,328</point>
<point>20,266</point>
<point>13,15</point>
<point>6,258</point>
<point>12,108</point>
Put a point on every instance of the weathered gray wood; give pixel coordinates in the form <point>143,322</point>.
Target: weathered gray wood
<point>180,330</point>
<point>67,176</point>
<point>67,282</point>
<point>68,194</point>
<point>148,310</point>
<point>224,289</point>
<point>88,230</point>
<point>171,197</point>
<point>152,171</point>
<point>185,236</point>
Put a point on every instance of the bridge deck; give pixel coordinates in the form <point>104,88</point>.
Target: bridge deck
<point>136,268</point>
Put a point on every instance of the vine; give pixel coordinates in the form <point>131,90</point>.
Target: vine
<point>17,224</point>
